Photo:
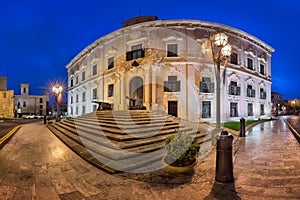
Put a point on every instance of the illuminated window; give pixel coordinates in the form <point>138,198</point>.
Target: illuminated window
<point>111,63</point>
<point>206,86</point>
<point>172,50</point>
<point>110,90</point>
<point>172,85</point>
<point>234,58</point>
<point>249,63</point>
<point>206,109</point>
<point>94,70</point>
<point>234,109</point>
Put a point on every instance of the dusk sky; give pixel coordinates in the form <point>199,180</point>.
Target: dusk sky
<point>38,38</point>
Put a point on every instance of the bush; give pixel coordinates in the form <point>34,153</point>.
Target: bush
<point>182,149</point>
<point>49,118</point>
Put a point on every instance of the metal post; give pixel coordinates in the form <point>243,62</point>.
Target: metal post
<point>242,127</point>
<point>218,97</point>
<point>224,163</point>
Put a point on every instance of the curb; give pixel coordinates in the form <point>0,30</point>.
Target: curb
<point>295,133</point>
<point>7,136</point>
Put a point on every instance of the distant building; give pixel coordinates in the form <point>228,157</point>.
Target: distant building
<point>277,103</point>
<point>6,100</point>
<point>167,65</point>
<point>31,104</point>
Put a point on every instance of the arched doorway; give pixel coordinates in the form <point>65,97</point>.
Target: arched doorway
<point>137,91</point>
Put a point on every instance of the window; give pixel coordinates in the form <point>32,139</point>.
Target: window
<point>234,58</point>
<point>72,99</point>
<point>83,76</point>
<point>262,69</point>
<point>250,92</point>
<point>83,96</point>
<point>76,111</point>
<point>234,89</point>
<point>77,98</point>
<point>71,82</point>
<point>95,93</point>
<point>263,94</point>
<point>110,63</point>
<point>136,52</point>
<point>83,110</point>
<point>24,104</point>
<point>110,90</point>
<point>206,86</point>
<point>234,109</point>
<point>172,85</point>
<point>41,106</point>
<point>94,107</point>
<point>41,100</point>
<point>262,109</point>
<point>172,50</point>
<point>4,95</point>
<point>250,109</point>
<point>76,80</point>
<point>71,110</point>
<point>206,109</point>
<point>94,70</point>
<point>249,63</point>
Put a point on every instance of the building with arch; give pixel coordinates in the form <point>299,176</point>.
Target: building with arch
<point>168,65</point>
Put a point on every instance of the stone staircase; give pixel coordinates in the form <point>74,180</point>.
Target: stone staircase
<point>122,140</point>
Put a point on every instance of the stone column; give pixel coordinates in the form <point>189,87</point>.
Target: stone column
<point>147,87</point>
<point>154,88</point>
<point>123,105</point>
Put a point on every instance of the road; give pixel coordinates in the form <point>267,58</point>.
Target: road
<point>7,125</point>
<point>294,120</point>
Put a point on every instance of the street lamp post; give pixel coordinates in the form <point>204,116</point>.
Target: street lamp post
<point>223,51</point>
<point>57,90</point>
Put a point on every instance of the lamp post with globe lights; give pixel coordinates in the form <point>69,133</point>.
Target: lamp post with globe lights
<point>57,90</point>
<point>221,50</point>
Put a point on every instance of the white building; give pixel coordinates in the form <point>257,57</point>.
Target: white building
<point>168,65</point>
<point>30,104</point>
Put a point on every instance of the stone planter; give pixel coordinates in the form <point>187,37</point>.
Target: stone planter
<point>175,169</point>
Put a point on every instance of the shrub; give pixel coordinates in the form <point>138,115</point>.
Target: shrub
<point>182,149</point>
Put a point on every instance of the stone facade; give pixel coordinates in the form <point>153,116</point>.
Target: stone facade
<point>6,103</point>
<point>30,104</point>
<point>168,65</point>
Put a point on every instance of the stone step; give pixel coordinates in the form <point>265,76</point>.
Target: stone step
<point>124,124</point>
<point>133,129</point>
<point>120,140</point>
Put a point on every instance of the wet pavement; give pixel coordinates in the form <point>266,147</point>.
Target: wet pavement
<point>34,164</point>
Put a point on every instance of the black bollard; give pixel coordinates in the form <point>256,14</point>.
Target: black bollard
<point>224,163</point>
<point>45,118</point>
<point>242,127</point>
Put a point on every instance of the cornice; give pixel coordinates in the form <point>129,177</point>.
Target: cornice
<point>171,23</point>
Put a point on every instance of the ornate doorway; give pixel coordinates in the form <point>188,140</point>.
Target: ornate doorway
<point>136,91</point>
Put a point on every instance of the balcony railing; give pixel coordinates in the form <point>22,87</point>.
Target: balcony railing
<point>250,92</point>
<point>234,90</point>
<point>207,87</point>
<point>135,54</point>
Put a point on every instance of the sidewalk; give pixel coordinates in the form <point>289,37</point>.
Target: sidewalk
<point>36,165</point>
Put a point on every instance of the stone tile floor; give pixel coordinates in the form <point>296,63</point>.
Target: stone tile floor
<point>36,165</point>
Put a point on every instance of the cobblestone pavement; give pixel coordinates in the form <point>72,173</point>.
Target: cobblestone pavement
<point>36,165</point>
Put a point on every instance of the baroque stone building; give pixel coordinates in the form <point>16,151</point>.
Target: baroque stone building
<point>6,100</point>
<point>168,65</point>
<point>31,104</point>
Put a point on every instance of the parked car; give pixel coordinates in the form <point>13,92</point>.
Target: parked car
<point>28,116</point>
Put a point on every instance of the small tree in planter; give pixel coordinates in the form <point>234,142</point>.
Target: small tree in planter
<point>182,150</point>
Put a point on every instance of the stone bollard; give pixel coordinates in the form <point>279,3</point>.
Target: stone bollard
<point>224,163</point>
<point>242,127</point>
